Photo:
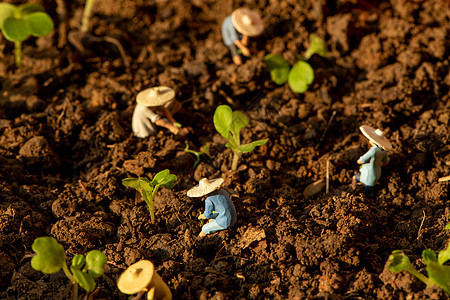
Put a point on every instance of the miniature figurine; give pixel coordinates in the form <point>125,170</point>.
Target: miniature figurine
<point>140,278</point>
<point>373,160</point>
<point>236,30</point>
<point>218,206</point>
<point>160,99</point>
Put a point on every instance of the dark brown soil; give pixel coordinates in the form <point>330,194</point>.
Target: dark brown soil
<point>66,143</point>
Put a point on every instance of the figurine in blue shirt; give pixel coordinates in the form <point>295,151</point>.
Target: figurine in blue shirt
<point>373,160</point>
<point>236,29</point>
<point>219,208</point>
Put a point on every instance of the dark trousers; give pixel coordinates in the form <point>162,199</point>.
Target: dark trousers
<point>369,190</point>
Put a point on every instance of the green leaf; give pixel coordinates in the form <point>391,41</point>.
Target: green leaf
<point>398,262</point>
<point>429,255</point>
<point>447,226</point>
<point>223,118</point>
<point>316,45</point>
<point>85,280</point>
<point>240,120</point>
<point>39,23</point>
<point>278,68</point>
<point>300,77</point>
<point>95,263</point>
<point>444,255</point>
<point>439,274</point>
<point>6,10</point>
<point>138,183</point>
<point>251,146</point>
<point>30,8</point>
<point>165,179</point>
<point>15,30</point>
<point>78,261</point>
<point>50,255</point>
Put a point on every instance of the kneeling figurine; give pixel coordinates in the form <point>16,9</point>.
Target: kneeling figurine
<point>219,208</point>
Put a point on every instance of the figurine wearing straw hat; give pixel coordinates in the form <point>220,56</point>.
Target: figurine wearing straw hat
<point>373,160</point>
<point>147,113</point>
<point>219,208</point>
<point>237,28</point>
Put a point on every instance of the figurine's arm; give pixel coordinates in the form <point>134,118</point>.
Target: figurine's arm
<point>244,49</point>
<point>209,208</point>
<point>366,157</point>
<point>174,129</point>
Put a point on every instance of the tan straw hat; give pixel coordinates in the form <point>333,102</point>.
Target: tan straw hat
<point>155,96</point>
<point>247,21</point>
<point>205,187</point>
<point>136,278</point>
<point>376,136</point>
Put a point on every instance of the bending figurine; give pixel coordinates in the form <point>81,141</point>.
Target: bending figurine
<point>219,208</point>
<point>236,30</point>
<point>373,160</point>
<point>161,100</point>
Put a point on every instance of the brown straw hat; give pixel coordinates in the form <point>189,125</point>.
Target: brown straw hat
<point>155,96</point>
<point>376,136</point>
<point>247,21</point>
<point>136,278</point>
<point>205,187</point>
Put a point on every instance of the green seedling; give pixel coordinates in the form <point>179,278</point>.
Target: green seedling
<point>148,189</point>
<point>229,124</point>
<point>299,77</point>
<point>50,258</point>
<point>18,23</point>
<point>316,46</point>
<point>196,153</point>
<point>438,273</point>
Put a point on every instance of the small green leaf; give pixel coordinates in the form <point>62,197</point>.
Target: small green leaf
<point>15,30</point>
<point>138,183</point>
<point>439,274</point>
<point>78,261</point>
<point>316,45</point>
<point>278,68</point>
<point>29,8</point>
<point>39,23</point>
<point>6,10</point>
<point>447,226</point>
<point>50,255</point>
<point>95,263</point>
<point>398,262</point>
<point>251,146</point>
<point>444,255</point>
<point>240,120</point>
<point>85,280</point>
<point>429,255</point>
<point>300,77</point>
<point>165,179</point>
<point>223,118</point>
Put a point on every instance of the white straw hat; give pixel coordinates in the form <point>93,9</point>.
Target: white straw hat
<point>247,21</point>
<point>205,187</point>
<point>136,278</point>
<point>155,96</point>
<point>376,136</point>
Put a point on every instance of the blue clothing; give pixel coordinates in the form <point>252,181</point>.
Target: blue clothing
<point>229,33</point>
<point>219,206</point>
<point>371,168</point>
<point>211,227</point>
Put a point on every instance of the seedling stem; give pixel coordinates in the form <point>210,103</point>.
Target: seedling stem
<point>86,15</point>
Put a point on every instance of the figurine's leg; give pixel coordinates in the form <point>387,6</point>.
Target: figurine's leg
<point>369,191</point>
<point>356,180</point>
<point>208,228</point>
<point>237,60</point>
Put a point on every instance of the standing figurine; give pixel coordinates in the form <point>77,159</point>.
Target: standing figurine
<point>218,206</point>
<point>237,28</point>
<point>373,160</point>
<point>162,100</point>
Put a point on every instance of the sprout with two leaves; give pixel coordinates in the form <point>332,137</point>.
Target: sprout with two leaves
<point>18,23</point>
<point>229,124</point>
<point>148,189</point>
